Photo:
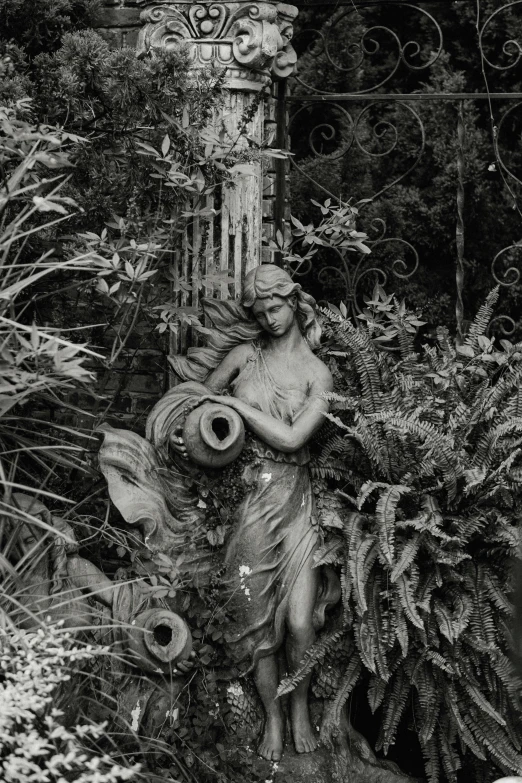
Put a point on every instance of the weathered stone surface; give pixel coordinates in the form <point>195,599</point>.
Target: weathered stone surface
<point>324,766</point>
<point>146,639</point>
<point>252,40</point>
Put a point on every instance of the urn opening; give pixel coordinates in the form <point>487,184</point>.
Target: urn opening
<point>162,635</point>
<point>221,427</point>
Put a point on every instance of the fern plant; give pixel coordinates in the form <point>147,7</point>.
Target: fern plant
<point>425,456</point>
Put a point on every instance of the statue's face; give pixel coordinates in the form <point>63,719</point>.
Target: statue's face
<point>274,314</point>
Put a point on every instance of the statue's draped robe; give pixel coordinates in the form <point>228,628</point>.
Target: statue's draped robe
<point>275,532</point>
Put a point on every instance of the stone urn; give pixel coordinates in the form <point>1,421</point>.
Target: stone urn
<point>157,639</point>
<point>213,435</point>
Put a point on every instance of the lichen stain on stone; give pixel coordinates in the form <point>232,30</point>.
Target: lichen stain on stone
<point>135,715</point>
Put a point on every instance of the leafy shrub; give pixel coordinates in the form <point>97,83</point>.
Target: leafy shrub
<point>35,745</point>
<point>425,447</point>
<point>36,363</point>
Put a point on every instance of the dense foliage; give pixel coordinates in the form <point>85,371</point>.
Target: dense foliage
<point>43,736</point>
<point>417,473</point>
<point>145,159</point>
<point>425,452</point>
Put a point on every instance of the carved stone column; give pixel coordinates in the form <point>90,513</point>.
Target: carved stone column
<point>252,42</point>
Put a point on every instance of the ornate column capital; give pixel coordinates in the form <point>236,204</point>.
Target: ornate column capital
<point>251,40</point>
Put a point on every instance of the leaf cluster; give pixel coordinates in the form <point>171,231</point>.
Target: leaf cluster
<point>423,525</point>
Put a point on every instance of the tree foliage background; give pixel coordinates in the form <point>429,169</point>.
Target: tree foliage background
<point>420,209</point>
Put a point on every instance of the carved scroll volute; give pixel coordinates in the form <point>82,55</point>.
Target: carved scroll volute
<point>285,60</point>
<point>251,40</point>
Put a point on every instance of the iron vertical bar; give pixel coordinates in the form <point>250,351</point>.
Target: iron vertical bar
<point>461,142</point>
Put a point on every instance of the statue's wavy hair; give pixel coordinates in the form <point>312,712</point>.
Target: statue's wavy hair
<point>270,280</point>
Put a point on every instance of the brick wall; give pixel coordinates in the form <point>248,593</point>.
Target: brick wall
<point>119,22</point>
<point>125,392</point>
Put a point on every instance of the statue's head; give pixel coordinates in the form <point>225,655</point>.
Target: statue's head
<point>275,301</point>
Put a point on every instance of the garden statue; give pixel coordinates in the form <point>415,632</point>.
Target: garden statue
<point>258,372</point>
<point>237,429</point>
<point>276,384</point>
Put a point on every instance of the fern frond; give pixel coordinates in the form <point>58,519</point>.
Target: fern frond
<point>361,560</point>
<point>438,660</point>
<point>496,594</point>
<point>406,556</point>
<point>480,323</point>
<point>376,691</point>
<point>450,760</point>
<point>366,490</point>
<point>332,469</point>
<point>401,630</point>
<point>492,738</point>
<point>385,517</point>
<point>329,553</point>
<point>431,754</point>
<point>395,704</point>
<point>442,447</point>
<point>481,701</point>
<point>312,656</point>
<point>452,705</point>
<point>488,443</point>
<point>429,703</point>
<point>365,641</point>
<point>364,355</point>
<point>347,685</point>
<point>407,599</point>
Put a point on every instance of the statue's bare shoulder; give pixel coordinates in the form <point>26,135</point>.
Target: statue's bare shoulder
<point>318,375</point>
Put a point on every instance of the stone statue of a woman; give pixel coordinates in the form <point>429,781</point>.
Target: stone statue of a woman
<point>276,384</point>
<point>259,362</point>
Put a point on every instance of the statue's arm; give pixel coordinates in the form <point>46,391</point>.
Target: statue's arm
<point>84,575</point>
<point>287,437</point>
<point>220,378</point>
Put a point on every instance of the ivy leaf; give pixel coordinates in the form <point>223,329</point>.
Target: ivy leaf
<point>165,145</point>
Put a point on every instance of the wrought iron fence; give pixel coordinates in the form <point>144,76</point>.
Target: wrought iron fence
<point>370,74</point>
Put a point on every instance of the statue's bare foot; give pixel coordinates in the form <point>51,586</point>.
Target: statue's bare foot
<point>305,740</point>
<point>271,745</point>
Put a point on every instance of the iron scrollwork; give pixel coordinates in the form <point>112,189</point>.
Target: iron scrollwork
<point>511,49</point>
<point>506,274</point>
<point>368,46</point>
<point>374,138</point>
<point>359,132</point>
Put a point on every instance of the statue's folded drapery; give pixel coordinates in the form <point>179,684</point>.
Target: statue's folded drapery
<point>275,533</point>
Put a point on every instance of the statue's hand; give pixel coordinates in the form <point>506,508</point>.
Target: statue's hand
<point>184,667</point>
<point>221,399</point>
<point>177,443</point>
